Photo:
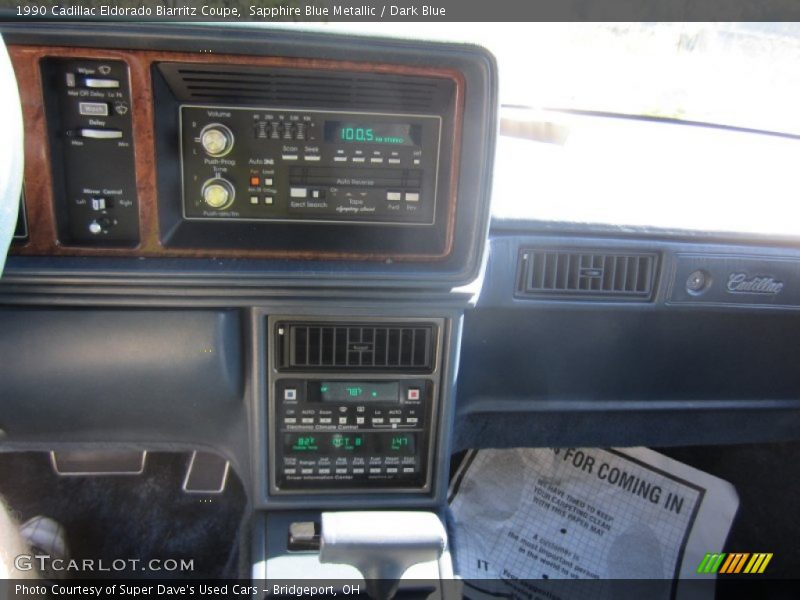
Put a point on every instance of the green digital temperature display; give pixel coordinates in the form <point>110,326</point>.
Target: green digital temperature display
<point>359,391</point>
<point>302,443</point>
<point>393,134</point>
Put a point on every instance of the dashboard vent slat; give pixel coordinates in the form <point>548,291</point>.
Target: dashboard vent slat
<point>577,275</point>
<point>244,84</point>
<point>356,346</point>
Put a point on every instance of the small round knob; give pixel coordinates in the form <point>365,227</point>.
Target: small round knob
<point>95,228</point>
<point>218,193</point>
<point>216,139</point>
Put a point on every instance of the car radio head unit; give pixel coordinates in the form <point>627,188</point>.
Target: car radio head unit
<point>262,164</point>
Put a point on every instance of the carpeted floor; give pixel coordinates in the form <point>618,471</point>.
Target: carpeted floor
<point>131,517</point>
<point>767,478</point>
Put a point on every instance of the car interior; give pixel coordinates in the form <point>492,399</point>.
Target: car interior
<point>270,289</point>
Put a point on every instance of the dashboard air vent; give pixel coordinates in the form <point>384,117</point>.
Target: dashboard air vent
<point>254,86</point>
<point>574,274</point>
<point>356,346</point>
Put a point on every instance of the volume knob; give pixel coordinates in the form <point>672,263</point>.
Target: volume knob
<point>216,139</point>
<point>218,193</point>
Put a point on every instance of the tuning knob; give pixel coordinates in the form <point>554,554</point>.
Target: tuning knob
<point>216,139</point>
<point>218,193</point>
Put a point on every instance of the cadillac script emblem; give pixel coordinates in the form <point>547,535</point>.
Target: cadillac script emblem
<point>740,283</point>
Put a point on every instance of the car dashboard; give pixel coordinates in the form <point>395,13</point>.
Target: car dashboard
<point>276,247</point>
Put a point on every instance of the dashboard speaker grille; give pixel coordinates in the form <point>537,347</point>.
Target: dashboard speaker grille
<point>238,84</point>
<point>574,274</point>
<point>409,347</point>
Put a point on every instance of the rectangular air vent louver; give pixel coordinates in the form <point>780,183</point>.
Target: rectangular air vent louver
<point>275,87</point>
<point>356,346</point>
<point>573,274</point>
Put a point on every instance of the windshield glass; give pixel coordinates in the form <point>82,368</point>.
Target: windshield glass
<point>736,74</point>
<point>665,167</point>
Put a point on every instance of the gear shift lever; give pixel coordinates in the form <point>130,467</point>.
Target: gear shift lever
<point>382,545</point>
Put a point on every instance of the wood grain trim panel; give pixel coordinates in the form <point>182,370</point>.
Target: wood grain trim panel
<point>43,238</point>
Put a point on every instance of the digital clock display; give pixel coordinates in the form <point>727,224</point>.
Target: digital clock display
<point>387,134</point>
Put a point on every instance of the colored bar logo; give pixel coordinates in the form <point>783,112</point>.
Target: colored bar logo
<point>734,563</point>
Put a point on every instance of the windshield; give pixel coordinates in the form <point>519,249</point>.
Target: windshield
<point>707,142</point>
<point>735,74</point>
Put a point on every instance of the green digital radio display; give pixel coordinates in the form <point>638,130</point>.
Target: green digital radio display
<point>393,134</point>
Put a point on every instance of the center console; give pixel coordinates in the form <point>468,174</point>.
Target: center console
<point>310,206</point>
<point>353,405</point>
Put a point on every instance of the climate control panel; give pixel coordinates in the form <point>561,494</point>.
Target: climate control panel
<point>262,164</point>
<point>354,434</point>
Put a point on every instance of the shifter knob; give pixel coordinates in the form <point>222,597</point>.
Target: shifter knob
<point>382,545</point>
